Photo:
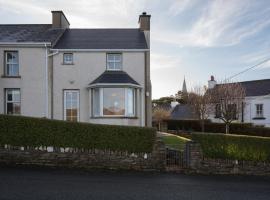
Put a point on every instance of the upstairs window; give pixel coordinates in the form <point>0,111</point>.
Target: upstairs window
<point>259,110</point>
<point>11,63</point>
<point>114,61</point>
<point>68,58</point>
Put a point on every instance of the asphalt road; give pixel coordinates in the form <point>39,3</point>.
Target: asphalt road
<point>37,184</point>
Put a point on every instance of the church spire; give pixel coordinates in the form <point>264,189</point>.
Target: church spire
<point>184,88</point>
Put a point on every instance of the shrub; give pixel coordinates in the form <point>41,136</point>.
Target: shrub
<point>234,146</point>
<point>235,128</point>
<point>35,132</point>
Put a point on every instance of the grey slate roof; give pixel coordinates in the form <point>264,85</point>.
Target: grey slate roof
<point>114,77</point>
<point>256,87</point>
<point>29,33</point>
<point>182,112</point>
<point>102,39</point>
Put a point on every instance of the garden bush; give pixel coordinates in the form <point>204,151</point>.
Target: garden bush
<point>234,146</point>
<point>235,128</point>
<point>35,132</point>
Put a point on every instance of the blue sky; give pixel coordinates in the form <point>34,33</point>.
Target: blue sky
<point>191,38</point>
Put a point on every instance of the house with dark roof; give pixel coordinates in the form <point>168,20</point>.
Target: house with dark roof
<point>88,75</point>
<point>256,104</point>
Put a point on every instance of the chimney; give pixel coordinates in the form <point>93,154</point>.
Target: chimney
<point>59,20</point>
<point>211,82</point>
<point>144,21</point>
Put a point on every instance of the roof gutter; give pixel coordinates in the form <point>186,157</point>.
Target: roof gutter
<point>101,50</point>
<point>32,44</point>
<point>114,85</point>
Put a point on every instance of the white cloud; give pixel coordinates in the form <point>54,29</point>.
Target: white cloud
<point>178,6</point>
<point>222,23</point>
<point>159,61</point>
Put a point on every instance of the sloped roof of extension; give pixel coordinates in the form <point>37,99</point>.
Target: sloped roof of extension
<point>114,77</point>
<point>182,112</point>
<point>256,87</point>
<point>102,39</point>
<point>29,33</point>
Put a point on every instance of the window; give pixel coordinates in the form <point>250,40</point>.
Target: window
<point>13,101</point>
<point>11,63</point>
<point>218,111</point>
<point>71,105</point>
<point>114,102</point>
<point>232,111</point>
<point>259,110</point>
<point>114,61</point>
<point>68,58</point>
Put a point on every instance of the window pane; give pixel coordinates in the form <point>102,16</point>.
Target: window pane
<point>96,102</point>
<point>9,95</point>
<point>9,108</point>
<point>113,101</point>
<point>130,102</point>
<point>117,65</point>
<point>16,95</point>
<point>16,108</point>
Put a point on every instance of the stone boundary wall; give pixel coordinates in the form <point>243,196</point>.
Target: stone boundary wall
<point>197,163</point>
<point>86,159</point>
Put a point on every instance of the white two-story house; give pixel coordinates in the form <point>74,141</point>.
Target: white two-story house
<point>87,75</point>
<point>256,107</point>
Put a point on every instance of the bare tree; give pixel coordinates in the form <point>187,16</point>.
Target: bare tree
<point>160,114</point>
<point>200,101</point>
<point>229,102</point>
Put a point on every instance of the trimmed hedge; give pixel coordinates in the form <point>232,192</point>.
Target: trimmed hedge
<point>238,147</point>
<point>35,132</point>
<point>235,128</point>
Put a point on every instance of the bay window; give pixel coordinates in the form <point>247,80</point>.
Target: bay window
<point>113,102</point>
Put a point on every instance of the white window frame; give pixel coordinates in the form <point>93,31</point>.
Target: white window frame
<point>11,63</point>
<point>114,61</point>
<point>13,101</point>
<point>78,103</point>
<point>259,112</point>
<point>101,94</point>
<point>68,62</point>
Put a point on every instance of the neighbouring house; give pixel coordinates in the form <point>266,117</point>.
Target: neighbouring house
<point>256,107</point>
<point>87,75</point>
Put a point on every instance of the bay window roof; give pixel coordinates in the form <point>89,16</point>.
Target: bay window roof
<point>114,78</point>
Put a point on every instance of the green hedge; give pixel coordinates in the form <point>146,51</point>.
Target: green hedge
<point>235,128</point>
<point>35,132</point>
<point>234,146</point>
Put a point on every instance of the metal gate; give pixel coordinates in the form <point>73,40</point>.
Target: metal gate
<point>175,159</point>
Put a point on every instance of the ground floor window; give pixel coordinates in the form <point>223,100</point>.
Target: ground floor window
<point>71,105</point>
<point>113,102</point>
<point>13,101</point>
<point>259,110</point>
